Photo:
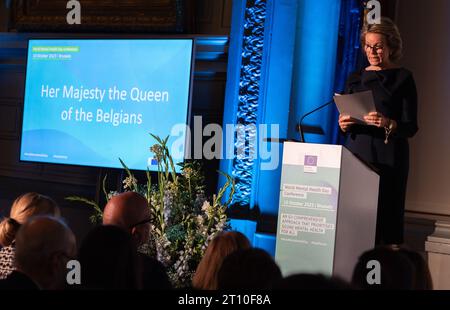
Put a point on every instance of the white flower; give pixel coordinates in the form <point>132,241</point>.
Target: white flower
<point>206,206</point>
<point>130,182</point>
<point>200,220</point>
<point>187,172</point>
<point>112,194</point>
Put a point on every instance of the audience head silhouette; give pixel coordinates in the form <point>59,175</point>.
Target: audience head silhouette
<point>223,244</point>
<point>248,269</point>
<point>129,211</point>
<point>395,270</point>
<point>108,259</point>
<point>24,207</point>
<point>422,275</point>
<point>44,245</point>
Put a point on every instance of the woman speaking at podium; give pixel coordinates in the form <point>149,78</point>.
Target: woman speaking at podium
<point>383,140</point>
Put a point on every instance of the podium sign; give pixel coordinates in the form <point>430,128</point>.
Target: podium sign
<point>317,204</point>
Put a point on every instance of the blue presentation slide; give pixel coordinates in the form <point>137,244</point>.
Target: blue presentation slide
<point>91,102</point>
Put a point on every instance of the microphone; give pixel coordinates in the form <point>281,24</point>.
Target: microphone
<point>300,125</point>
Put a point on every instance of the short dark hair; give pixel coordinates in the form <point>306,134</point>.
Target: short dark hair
<point>248,269</point>
<point>108,258</point>
<point>396,270</point>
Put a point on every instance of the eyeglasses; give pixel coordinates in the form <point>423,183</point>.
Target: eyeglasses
<point>376,48</point>
<point>141,222</point>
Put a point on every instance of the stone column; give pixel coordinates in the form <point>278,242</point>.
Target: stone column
<point>437,247</point>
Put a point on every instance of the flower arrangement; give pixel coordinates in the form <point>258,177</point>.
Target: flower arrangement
<point>184,221</point>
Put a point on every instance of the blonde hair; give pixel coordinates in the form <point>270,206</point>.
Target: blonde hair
<point>221,246</point>
<point>390,31</point>
<point>24,207</point>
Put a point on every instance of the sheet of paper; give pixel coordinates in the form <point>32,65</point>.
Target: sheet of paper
<point>356,105</point>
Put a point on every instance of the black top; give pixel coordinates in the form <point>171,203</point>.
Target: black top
<point>395,96</point>
<point>18,281</point>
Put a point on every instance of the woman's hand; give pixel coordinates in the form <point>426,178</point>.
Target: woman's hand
<point>345,121</point>
<point>377,119</point>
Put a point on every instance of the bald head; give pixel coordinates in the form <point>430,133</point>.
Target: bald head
<point>126,210</point>
<point>43,246</point>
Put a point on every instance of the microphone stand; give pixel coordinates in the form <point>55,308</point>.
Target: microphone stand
<point>300,125</point>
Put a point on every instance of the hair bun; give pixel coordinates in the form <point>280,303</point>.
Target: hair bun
<point>13,222</point>
<point>8,230</point>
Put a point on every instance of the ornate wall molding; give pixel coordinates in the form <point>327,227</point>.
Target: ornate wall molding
<point>155,16</point>
<point>249,90</point>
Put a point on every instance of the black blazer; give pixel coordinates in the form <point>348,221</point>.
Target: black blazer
<point>395,96</point>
